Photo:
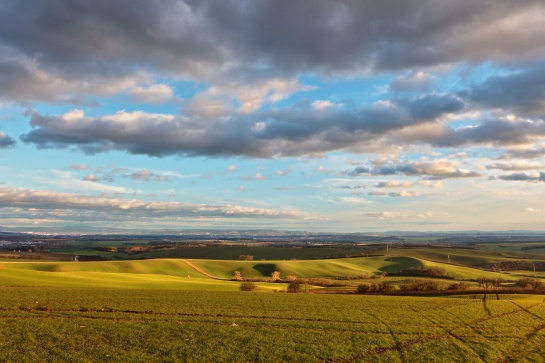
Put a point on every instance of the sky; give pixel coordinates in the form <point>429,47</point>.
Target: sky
<point>333,116</point>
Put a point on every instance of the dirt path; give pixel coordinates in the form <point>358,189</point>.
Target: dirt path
<point>200,270</point>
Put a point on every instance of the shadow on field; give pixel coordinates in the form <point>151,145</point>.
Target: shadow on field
<point>266,269</point>
<point>400,263</point>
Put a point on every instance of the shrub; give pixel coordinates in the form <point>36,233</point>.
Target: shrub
<point>363,288</point>
<point>247,286</point>
<point>528,282</point>
<point>297,286</point>
<point>536,284</point>
<point>424,271</point>
<point>384,287</point>
<point>458,286</point>
<point>376,287</point>
<point>423,286</point>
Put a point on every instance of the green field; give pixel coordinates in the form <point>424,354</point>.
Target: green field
<point>56,324</point>
<point>173,310</point>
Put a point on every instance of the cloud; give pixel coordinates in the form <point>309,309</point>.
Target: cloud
<point>500,132</point>
<point>516,166</point>
<point>323,169</point>
<point>399,215</point>
<point>260,176</point>
<point>68,180</point>
<point>92,177</point>
<point>432,106</point>
<point>417,81</point>
<point>434,169</point>
<point>534,177</point>
<point>291,131</point>
<point>147,175</point>
<point>250,96</point>
<point>158,93</point>
<point>50,51</point>
<point>23,79</point>
<point>132,208</point>
<point>522,91</point>
<point>402,194</point>
<point>323,104</point>
<point>232,168</point>
<point>286,188</point>
<point>79,167</point>
<point>407,184</point>
<point>6,141</point>
<point>532,153</point>
<point>430,183</point>
<point>282,172</point>
<point>354,200</point>
<point>393,184</point>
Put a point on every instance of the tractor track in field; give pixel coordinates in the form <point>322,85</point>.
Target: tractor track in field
<point>522,346</point>
<point>450,332</point>
<point>450,335</point>
<point>107,310</point>
<point>485,307</point>
<point>527,310</point>
<point>104,312</point>
<point>402,341</point>
<point>380,350</point>
<point>201,271</point>
<point>231,320</point>
<point>399,348</point>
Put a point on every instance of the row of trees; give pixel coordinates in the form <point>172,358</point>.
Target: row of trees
<point>275,277</point>
<point>298,285</point>
<point>294,286</point>
<point>430,285</point>
<point>497,283</point>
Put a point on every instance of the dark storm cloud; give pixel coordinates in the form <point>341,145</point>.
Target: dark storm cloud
<point>75,40</point>
<point>6,141</point>
<point>293,131</point>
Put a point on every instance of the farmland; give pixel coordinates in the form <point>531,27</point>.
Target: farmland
<point>191,310</point>
<point>106,325</point>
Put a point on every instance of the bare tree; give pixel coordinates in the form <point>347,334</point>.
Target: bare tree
<point>275,276</point>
